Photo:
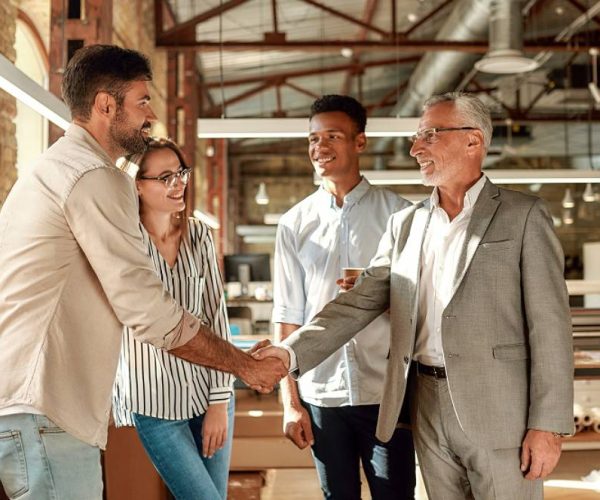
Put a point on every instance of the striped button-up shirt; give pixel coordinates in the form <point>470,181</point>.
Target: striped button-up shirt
<point>153,382</point>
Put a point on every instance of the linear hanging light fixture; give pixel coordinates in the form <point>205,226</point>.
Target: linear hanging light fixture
<point>30,93</point>
<point>238,128</point>
<point>516,176</point>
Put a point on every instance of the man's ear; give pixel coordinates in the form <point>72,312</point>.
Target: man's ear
<point>475,140</point>
<point>104,104</point>
<point>361,142</point>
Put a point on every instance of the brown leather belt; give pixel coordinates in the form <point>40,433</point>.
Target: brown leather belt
<point>432,371</point>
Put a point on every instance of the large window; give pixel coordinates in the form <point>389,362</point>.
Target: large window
<point>31,127</point>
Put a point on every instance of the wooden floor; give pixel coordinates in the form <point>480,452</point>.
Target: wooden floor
<point>302,484</point>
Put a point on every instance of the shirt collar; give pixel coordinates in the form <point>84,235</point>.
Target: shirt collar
<point>80,134</point>
<point>351,198</point>
<point>470,196</point>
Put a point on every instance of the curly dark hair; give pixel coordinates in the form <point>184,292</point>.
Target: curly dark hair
<point>343,103</point>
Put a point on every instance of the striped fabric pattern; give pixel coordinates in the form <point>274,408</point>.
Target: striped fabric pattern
<point>151,381</point>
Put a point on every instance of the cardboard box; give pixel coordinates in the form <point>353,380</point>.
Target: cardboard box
<point>258,439</point>
<point>246,485</point>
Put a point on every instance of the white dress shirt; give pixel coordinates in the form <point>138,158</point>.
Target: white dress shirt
<point>315,240</point>
<point>442,246</point>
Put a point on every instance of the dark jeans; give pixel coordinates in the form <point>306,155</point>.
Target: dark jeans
<point>345,435</point>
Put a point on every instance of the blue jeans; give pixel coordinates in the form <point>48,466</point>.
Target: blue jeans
<point>175,448</point>
<point>40,461</point>
<point>346,435</point>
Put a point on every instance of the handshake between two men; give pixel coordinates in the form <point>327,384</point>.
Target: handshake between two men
<point>270,364</point>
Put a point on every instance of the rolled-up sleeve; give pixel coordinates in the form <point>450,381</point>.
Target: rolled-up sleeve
<point>289,297</point>
<point>102,212</point>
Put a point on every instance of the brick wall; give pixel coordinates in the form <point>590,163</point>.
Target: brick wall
<point>8,142</point>
<point>133,27</point>
<point>38,12</point>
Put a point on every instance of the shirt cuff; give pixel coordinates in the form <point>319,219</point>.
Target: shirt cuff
<point>219,395</point>
<point>184,331</point>
<point>293,361</point>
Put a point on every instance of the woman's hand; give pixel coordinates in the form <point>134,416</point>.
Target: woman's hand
<point>214,429</point>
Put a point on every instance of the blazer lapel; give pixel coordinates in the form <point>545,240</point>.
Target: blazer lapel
<point>411,267</point>
<point>483,212</point>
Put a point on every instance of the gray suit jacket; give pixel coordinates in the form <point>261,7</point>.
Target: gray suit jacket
<point>506,332</point>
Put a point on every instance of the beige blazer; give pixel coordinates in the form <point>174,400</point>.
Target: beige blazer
<point>506,332</point>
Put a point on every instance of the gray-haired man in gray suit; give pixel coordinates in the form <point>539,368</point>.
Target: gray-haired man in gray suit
<point>481,333</point>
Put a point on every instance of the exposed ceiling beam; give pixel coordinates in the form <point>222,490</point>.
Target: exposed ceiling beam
<point>322,46</point>
<point>187,29</point>
<point>348,18</point>
<point>313,71</point>
<point>427,17</point>
<point>301,90</point>
<point>368,13</point>
<point>221,108</point>
<point>582,8</point>
<point>390,98</point>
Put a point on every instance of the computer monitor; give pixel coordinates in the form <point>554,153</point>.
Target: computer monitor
<point>256,264</point>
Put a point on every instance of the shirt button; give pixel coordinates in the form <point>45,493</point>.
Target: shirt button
<point>406,359</point>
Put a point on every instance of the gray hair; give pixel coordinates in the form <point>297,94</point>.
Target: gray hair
<point>471,109</point>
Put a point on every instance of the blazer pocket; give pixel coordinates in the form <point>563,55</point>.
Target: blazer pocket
<point>497,245</point>
<point>511,351</point>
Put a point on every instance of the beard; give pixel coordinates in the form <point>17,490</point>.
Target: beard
<point>125,136</point>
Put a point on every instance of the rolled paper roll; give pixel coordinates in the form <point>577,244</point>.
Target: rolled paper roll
<point>578,428</point>
<point>595,413</point>
<point>578,413</point>
<point>587,419</point>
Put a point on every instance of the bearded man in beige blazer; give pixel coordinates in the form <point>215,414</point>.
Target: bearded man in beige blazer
<point>481,334</point>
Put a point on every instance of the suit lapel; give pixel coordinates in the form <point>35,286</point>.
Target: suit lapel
<point>413,249</point>
<point>483,212</point>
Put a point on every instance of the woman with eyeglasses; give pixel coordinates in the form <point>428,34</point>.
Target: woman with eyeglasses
<point>183,412</point>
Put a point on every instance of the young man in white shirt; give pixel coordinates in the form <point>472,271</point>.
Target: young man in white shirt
<point>334,407</point>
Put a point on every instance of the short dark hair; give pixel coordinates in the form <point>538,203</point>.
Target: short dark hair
<point>98,68</point>
<point>343,103</point>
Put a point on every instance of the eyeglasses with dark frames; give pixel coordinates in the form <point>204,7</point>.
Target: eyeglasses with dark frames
<point>170,180</point>
<point>429,135</point>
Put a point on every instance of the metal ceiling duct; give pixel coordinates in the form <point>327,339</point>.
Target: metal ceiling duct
<point>441,71</point>
<point>505,55</point>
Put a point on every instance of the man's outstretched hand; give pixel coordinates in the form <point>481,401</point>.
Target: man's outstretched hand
<point>266,350</point>
<point>264,370</point>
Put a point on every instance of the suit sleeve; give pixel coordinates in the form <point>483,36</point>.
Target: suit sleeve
<point>548,319</point>
<point>348,314</point>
